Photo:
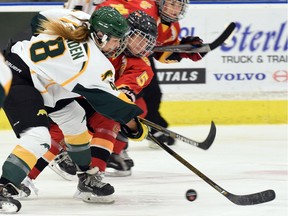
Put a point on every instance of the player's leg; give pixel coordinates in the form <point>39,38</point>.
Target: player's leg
<point>104,135</point>
<point>58,159</point>
<point>152,95</point>
<point>31,129</point>
<point>119,163</point>
<point>71,119</point>
<point>25,110</point>
<point>27,184</point>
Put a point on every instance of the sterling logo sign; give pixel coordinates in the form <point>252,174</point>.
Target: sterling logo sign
<point>181,76</point>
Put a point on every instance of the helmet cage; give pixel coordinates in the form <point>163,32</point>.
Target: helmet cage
<point>140,41</point>
<point>173,12</point>
<point>102,41</point>
<point>142,34</point>
<point>116,52</point>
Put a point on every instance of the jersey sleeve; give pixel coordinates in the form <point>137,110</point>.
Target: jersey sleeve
<point>167,35</point>
<point>5,75</point>
<point>120,108</point>
<point>5,79</point>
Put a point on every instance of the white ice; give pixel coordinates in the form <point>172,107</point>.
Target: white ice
<point>242,160</point>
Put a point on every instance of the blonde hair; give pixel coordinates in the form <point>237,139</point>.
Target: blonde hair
<point>56,27</point>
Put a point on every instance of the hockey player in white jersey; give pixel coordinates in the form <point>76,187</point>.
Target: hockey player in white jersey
<point>7,203</point>
<point>5,79</point>
<point>65,61</point>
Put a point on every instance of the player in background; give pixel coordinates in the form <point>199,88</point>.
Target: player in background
<point>133,73</point>
<point>170,12</point>
<point>70,46</point>
<point>7,203</point>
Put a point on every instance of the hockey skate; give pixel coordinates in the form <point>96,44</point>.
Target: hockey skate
<point>162,138</point>
<point>7,203</point>
<point>25,189</point>
<point>119,165</point>
<point>91,189</point>
<point>64,166</point>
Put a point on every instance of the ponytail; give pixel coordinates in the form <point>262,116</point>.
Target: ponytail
<point>65,30</point>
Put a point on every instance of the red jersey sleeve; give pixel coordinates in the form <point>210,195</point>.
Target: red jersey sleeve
<point>167,35</point>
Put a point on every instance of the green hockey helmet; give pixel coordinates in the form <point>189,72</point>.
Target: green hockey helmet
<point>110,23</point>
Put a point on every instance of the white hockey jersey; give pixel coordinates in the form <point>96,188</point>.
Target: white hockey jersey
<point>63,69</point>
<point>5,75</point>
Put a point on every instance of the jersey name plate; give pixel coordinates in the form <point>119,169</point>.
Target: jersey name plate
<point>77,52</point>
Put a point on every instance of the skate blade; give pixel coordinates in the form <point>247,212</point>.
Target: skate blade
<point>91,198</point>
<point>54,166</point>
<point>110,172</point>
<point>153,145</point>
<point>23,196</point>
<point>8,207</point>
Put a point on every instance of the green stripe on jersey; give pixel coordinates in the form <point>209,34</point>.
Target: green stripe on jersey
<point>109,105</point>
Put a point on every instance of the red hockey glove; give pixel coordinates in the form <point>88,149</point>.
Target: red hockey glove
<point>196,42</point>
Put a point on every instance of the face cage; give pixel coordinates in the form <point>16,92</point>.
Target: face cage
<point>116,52</point>
<point>100,43</point>
<point>144,43</point>
<point>166,12</point>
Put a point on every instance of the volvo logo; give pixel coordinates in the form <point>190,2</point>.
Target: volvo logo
<point>280,76</point>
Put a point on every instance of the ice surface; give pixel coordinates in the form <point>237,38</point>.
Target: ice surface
<point>243,160</point>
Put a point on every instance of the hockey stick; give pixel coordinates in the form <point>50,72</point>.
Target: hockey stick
<point>249,199</point>
<point>188,48</point>
<point>203,145</point>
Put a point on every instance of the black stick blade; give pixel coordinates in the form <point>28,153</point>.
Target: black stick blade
<point>210,138</point>
<point>203,145</point>
<point>223,37</point>
<point>252,199</point>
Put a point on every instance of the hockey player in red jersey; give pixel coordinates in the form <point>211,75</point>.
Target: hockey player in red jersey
<point>170,12</point>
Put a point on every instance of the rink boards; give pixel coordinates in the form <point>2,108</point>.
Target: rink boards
<point>242,82</point>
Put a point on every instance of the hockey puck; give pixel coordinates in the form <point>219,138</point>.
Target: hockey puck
<point>191,195</point>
